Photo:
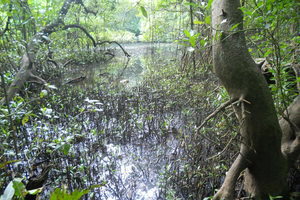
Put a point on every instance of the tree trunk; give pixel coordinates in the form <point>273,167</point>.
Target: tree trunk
<point>260,154</point>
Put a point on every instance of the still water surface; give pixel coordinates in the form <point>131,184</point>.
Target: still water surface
<point>129,138</point>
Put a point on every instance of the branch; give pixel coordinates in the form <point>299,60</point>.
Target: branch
<point>54,62</point>
<point>93,40</point>
<point>225,148</point>
<point>67,63</point>
<point>222,107</point>
<point>110,42</point>
<point>83,29</point>
<point>36,79</point>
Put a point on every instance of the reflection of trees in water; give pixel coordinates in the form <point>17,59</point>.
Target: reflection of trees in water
<point>115,135</point>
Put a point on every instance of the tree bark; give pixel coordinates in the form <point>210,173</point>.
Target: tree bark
<point>260,157</point>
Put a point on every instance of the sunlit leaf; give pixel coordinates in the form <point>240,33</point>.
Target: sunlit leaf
<point>223,21</point>
<point>209,4</point>
<point>43,93</point>
<point>208,20</point>
<point>35,191</point>
<point>77,194</point>
<point>51,86</point>
<point>25,119</point>
<point>187,33</point>
<point>190,49</point>
<point>99,185</point>
<point>234,27</point>
<point>60,194</point>
<point>199,22</point>
<point>202,43</point>
<point>8,192</point>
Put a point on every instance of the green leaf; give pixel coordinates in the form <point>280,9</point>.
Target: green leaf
<point>5,2</point>
<point>193,41</point>
<point>77,194</point>
<point>269,51</point>
<point>191,4</point>
<point>8,192</point>
<point>60,194</point>
<point>199,22</point>
<point>25,120</point>
<point>187,33</point>
<point>43,93</point>
<point>207,20</point>
<point>209,4</point>
<point>65,149</point>
<point>98,185</point>
<point>20,190</point>
<point>202,43</point>
<point>4,164</point>
<point>57,194</point>
<point>234,27</point>
<point>35,191</point>
<point>144,12</point>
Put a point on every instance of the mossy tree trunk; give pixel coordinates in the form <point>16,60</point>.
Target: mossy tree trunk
<point>267,146</point>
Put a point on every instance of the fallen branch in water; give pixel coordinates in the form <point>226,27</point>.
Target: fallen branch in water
<point>75,80</point>
<point>111,42</point>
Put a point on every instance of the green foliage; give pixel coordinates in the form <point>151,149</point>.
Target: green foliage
<point>192,38</point>
<point>276,25</point>
<point>60,194</point>
<point>276,197</point>
<point>16,190</point>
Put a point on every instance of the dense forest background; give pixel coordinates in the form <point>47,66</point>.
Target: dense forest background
<point>117,99</point>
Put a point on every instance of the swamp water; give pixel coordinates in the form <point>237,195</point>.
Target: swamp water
<point>112,130</point>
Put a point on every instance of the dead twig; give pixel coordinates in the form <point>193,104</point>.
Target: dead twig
<point>225,148</point>
<point>219,109</point>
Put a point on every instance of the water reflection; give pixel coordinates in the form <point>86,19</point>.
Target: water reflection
<point>128,135</point>
<point>127,71</point>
